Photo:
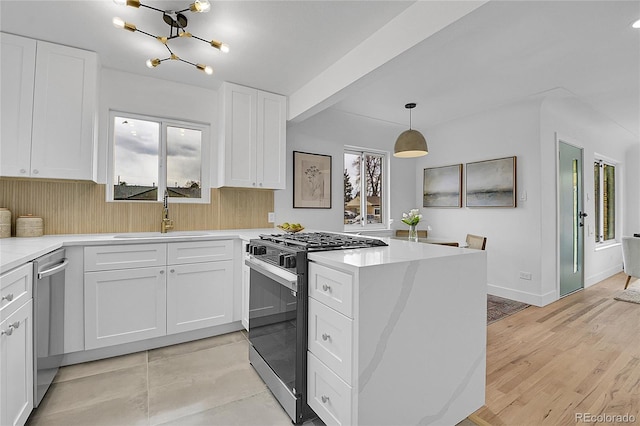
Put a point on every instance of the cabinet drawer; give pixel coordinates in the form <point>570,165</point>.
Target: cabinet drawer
<point>15,289</point>
<point>199,251</point>
<point>328,395</point>
<point>331,338</point>
<point>125,256</point>
<point>331,287</point>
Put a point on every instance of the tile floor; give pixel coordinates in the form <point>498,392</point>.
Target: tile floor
<point>204,382</point>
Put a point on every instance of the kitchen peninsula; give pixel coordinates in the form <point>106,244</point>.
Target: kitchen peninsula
<point>409,346</point>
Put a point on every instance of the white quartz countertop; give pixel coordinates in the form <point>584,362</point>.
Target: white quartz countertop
<point>17,251</point>
<point>397,251</point>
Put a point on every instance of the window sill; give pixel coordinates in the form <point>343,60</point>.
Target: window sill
<point>607,245</point>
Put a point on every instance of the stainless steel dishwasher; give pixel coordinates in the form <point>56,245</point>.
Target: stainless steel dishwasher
<point>48,320</point>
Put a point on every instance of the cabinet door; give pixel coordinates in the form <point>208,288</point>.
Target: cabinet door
<point>246,273</point>
<point>16,366</point>
<point>271,141</point>
<point>124,306</point>
<point>239,109</point>
<point>18,61</point>
<point>64,110</point>
<point>199,295</point>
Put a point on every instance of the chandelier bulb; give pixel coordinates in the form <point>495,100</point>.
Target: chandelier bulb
<point>118,23</point>
<point>223,47</point>
<point>200,6</point>
<point>132,3</point>
<point>205,69</point>
<point>152,63</point>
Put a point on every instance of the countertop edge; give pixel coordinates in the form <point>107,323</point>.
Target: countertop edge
<point>17,251</point>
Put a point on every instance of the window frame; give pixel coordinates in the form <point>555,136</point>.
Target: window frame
<point>205,157</point>
<point>601,161</point>
<point>385,204</point>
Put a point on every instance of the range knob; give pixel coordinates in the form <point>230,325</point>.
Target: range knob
<point>287,260</point>
<point>257,250</point>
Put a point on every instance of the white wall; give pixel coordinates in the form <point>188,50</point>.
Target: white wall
<point>137,94</point>
<point>327,133</point>
<point>570,118</point>
<point>513,234</point>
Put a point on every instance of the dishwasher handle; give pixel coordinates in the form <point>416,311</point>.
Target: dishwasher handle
<point>47,272</point>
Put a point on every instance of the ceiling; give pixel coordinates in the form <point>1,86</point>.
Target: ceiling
<point>501,52</point>
<point>509,50</point>
<point>276,46</point>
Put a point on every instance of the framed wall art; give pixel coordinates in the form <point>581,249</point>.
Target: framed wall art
<point>442,186</point>
<point>491,183</point>
<point>311,180</point>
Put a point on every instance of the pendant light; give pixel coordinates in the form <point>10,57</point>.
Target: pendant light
<point>410,143</point>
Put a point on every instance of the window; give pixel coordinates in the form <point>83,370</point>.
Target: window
<point>604,200</point>
<point>151,155</point>
<point>365,199</point>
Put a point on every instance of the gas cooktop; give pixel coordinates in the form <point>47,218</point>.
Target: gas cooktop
<point>320,241</point>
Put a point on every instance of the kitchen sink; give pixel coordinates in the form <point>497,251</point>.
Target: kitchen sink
<point>161,235</point>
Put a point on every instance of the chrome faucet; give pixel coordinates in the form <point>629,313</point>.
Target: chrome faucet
<point>166,222</point>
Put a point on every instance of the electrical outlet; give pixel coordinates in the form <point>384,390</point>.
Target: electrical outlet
<point>525,275</point>
<point>271,217</point>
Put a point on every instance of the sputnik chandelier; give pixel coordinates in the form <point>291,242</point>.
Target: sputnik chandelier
<point>177,23</point>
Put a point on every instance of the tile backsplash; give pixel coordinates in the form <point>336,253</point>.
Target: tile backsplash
<point>79,207</point>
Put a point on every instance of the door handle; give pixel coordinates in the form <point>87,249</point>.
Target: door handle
<point>582,215</point>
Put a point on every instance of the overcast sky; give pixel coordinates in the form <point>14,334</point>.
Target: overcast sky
<point>137,151</point>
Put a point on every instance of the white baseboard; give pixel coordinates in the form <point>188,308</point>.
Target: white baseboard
<point>594,279</point>
<point>522,296</point>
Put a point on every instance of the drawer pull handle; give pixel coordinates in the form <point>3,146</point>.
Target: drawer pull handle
<point>8,297</point>
<point>8,331</point>
<point>326,287</point>
<point>325,336</point>
<point>15,324</point>
<point>324,399</point>
<point>162,272</point>
<point>172,271</point>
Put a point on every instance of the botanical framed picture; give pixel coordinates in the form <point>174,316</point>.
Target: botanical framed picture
<point>311,180</point>
<point>442,186</point>
<point>491,183</point>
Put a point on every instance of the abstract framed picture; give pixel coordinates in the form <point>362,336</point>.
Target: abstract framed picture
<point>311,180</point>
<point>491,183</point>
<point>442,186</point>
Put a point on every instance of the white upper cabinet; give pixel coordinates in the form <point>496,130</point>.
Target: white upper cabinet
<point>16,84</point>
<point>252,143</point>
<point>52,110</point>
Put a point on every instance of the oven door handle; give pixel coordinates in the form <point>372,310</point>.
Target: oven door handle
<point>289,280</point>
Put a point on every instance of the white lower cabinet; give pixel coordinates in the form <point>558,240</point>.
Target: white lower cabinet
<point>330,357</point>
<point>140,291</point>
<point>199,295</point>
<point>16,366</point>
<point>16,345</point>
<point>124,306</point>
<point>246,273</point>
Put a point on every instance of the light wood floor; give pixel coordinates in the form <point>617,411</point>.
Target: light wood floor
<point>580,354</point>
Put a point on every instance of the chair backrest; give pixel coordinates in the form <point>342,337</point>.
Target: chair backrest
<point>405,233</point>
<point>631,256</point>
<point>476,242</point>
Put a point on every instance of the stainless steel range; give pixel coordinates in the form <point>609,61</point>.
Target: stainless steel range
<point>278,310</point>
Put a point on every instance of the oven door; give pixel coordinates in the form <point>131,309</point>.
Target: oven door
<point>277,333</point>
